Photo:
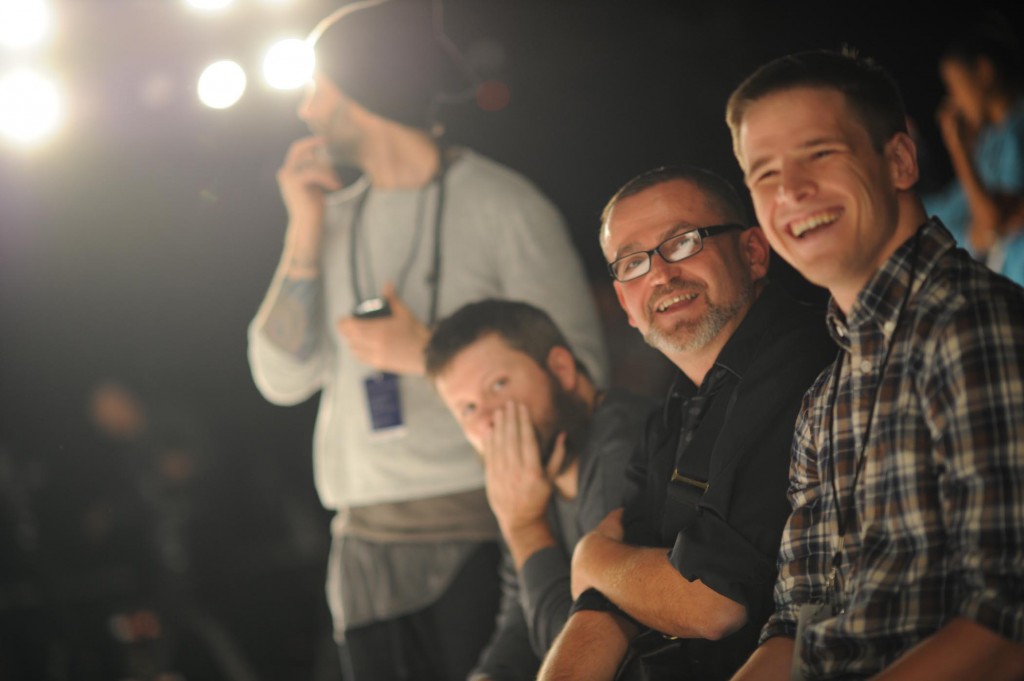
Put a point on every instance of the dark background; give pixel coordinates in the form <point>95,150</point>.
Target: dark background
<point>135,248</point>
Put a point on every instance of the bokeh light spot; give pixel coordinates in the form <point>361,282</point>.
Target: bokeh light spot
<point>30,107</point>
<point>288,64</point>
<point>209,5</point>
<point>221,84</point>
<point>23,23</point>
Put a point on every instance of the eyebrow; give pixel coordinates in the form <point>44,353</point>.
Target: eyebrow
<point>816,141</point>
<point>756,166</point>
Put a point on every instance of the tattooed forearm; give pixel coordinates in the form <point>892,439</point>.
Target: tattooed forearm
<point>294,319</point>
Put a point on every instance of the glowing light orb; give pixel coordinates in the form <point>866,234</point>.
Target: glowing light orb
<point>288,64</point>
<point>23,23</point>
<point>221,84</point>
<point>209,5</point>
<point>30,107</point>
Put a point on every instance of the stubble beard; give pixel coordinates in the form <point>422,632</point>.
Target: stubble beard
<point>342,140</point>
<point>691,336</point>
<point>569,414</point>
<point>343,152</point>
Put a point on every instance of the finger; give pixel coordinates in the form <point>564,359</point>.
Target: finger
<point>557,457</point>
<point>303,147</point>
<point>611,526</point>
<point>614,515</point>
<point>497,438</point>
<point>307,162</point>
<point>529,455</point>
<point>350,327</point>
<point>521,421</point>
<point>321,176</point>
<point>356,337</point>
<point>307,178</point>
<point>487,448</point>
<point>509,424</point>
<point>389,293</point>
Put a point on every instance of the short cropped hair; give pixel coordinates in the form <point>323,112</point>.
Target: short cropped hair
<point>716,188</point>
<point>871,91</point>
<point>522,326</point>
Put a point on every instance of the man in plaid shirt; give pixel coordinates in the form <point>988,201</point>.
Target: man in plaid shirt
<point>904,554</point>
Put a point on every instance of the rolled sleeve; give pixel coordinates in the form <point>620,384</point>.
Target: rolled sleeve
<point>712,551</point>
<point>978,400</point>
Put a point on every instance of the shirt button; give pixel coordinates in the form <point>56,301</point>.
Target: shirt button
<point>889,326</point>
<point>865,366</point>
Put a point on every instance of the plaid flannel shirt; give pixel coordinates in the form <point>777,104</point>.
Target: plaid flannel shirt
<point>937,531</point>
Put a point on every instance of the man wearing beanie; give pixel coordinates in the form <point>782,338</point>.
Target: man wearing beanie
<point>365,272</point>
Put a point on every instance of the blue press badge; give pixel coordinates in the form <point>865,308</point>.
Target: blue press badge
<point>383,402</point>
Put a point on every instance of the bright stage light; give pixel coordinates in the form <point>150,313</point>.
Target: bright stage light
<point>288,64</point>
<point>30,107</point>
<point>221,84</point>
<point>209,5</point>
<point>23,23</point>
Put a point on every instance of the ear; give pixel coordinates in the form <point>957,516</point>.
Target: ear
<point>562,366</point>
<point>622,303</point>
<point>755,251</point>
<point>901,155</point>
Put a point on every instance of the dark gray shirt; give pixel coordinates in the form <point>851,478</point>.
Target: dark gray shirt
<point>536,602</point>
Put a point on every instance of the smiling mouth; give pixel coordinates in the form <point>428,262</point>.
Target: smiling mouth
<point>669,302</point>
<point>801,227</point>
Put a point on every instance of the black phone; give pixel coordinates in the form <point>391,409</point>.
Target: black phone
<point>372,308</point>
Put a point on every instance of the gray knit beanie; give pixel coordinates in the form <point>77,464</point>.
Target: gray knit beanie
<point>387,56</point>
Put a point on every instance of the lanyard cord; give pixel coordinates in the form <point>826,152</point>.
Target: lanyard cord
<point>434,277</point>
<point>836,374</point>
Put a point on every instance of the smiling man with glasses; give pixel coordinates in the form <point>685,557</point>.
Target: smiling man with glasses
<point>678,582</point>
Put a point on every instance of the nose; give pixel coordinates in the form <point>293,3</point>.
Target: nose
<point>303,109</point>
<point>481,423</point>
<point>796,183</point>
<point>661,270</point>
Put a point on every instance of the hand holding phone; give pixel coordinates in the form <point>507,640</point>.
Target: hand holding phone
<point>372,308</point>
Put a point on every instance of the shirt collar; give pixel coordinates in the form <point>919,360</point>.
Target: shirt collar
<point>878,304</point>
<point>739,350</point>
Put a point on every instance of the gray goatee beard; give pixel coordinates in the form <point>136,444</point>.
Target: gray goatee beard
<point>695,335</point>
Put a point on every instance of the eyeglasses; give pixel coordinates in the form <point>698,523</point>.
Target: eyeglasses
<point>673,249</point>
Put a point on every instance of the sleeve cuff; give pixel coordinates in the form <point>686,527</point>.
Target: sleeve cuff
<point>712,551</point>
<point>777,627</point>
<point>592,599</point>
<point>1003,618</point>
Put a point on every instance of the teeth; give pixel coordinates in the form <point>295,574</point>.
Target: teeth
<point>803,226</point>
<point>675,299</point>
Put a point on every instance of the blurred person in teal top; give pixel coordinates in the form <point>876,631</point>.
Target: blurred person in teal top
<point>982,126</point>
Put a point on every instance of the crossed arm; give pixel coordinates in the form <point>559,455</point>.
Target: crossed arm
<point>642,583</point>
